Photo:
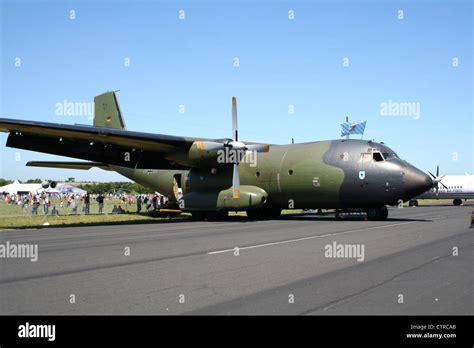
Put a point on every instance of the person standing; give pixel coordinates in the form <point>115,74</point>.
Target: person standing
<point>100,200</point>
<point>34,206</point>
<point>139,203</point>
<point>45,205</point>
<point>87,204</point>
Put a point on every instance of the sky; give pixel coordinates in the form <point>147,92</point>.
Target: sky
<point>297,68</point>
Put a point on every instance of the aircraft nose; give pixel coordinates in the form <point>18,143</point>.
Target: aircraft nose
<point>415,182</point>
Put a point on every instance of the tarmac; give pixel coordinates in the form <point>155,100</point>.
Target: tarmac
<point>417,262</point>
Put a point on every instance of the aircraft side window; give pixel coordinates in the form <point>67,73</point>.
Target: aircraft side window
<point>377,156</point>
<point>366,157</point>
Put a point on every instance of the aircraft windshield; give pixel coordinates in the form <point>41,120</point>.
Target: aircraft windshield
<point>388,155</point>
<point>378,154</point>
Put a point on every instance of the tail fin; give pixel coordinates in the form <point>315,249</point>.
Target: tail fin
<point>107,111</point>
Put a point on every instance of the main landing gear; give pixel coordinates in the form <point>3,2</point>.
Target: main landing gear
<point>374,214</point>
<point>264,214</point>
<point>377,214</point>
<point>210,215</point>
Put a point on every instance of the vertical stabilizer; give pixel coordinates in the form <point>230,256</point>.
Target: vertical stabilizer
<point>107,111</point>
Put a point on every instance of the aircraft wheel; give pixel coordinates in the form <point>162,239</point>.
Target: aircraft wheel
<point>413,203</point>
<point>252,214</point>
<point>457,201</point>
<point>263,214</point>
<point>216,215</point>
<point>198,215</point>
<point>273,213</point>
<point>377,214</point>
<point>383,213</point>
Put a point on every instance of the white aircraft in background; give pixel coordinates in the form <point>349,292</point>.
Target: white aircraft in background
<point>455,187</point>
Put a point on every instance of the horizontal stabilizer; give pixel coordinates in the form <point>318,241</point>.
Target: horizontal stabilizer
<point>68,165</point>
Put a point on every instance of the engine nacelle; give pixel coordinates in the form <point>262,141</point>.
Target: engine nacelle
<point>53,184</point>
<point>251,197</point>
<point>45,184</point>
<point>205,153</point>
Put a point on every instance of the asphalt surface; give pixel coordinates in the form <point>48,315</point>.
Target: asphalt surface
<point>280,267</point>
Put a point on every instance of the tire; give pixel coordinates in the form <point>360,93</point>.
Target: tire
<point>384,213</point>
<point>198,215</point>
<point>253,214</point>
<point>413,203</point>
<point>216,215</point>
<point>264,214</point>
<point>457,201</point>
<point>377,214</point>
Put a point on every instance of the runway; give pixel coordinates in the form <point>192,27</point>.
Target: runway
<point>248,267</point>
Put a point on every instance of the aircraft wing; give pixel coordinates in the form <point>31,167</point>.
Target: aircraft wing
<point>68,165</point>
<point>100,144</point>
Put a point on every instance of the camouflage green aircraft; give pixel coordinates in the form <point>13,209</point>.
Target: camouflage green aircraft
<point>210,177</point>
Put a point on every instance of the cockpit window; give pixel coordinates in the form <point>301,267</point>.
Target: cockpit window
<point>366,157</point>
<point>377,156</point>
<point>388,155</point>
<point>372,155</point>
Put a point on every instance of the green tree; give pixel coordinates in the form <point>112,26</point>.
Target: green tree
<point>4,182</point>
<point>34,181</point>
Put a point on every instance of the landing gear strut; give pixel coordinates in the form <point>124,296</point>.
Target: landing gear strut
<point>377,214</point>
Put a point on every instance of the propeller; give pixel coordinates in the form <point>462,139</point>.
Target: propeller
<point>235,144</point>
<point>231,144</point>
<point>437,179</point>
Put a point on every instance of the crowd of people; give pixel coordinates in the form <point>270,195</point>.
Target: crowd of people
<point>69,203</point>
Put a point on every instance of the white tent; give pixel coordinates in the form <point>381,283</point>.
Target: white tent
<point>17,188</point>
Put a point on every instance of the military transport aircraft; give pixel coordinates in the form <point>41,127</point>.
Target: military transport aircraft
<point>210,177</point>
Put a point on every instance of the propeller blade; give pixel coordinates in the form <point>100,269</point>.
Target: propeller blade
<point>236,182</point>
<point>258,147</point>
<point>235,132</point>
<point>434,177</point>
<point>437,189</point>
<point>444,185</point>
<point>437,170</point>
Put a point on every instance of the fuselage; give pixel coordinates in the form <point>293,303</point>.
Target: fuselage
<point>323,174</point>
